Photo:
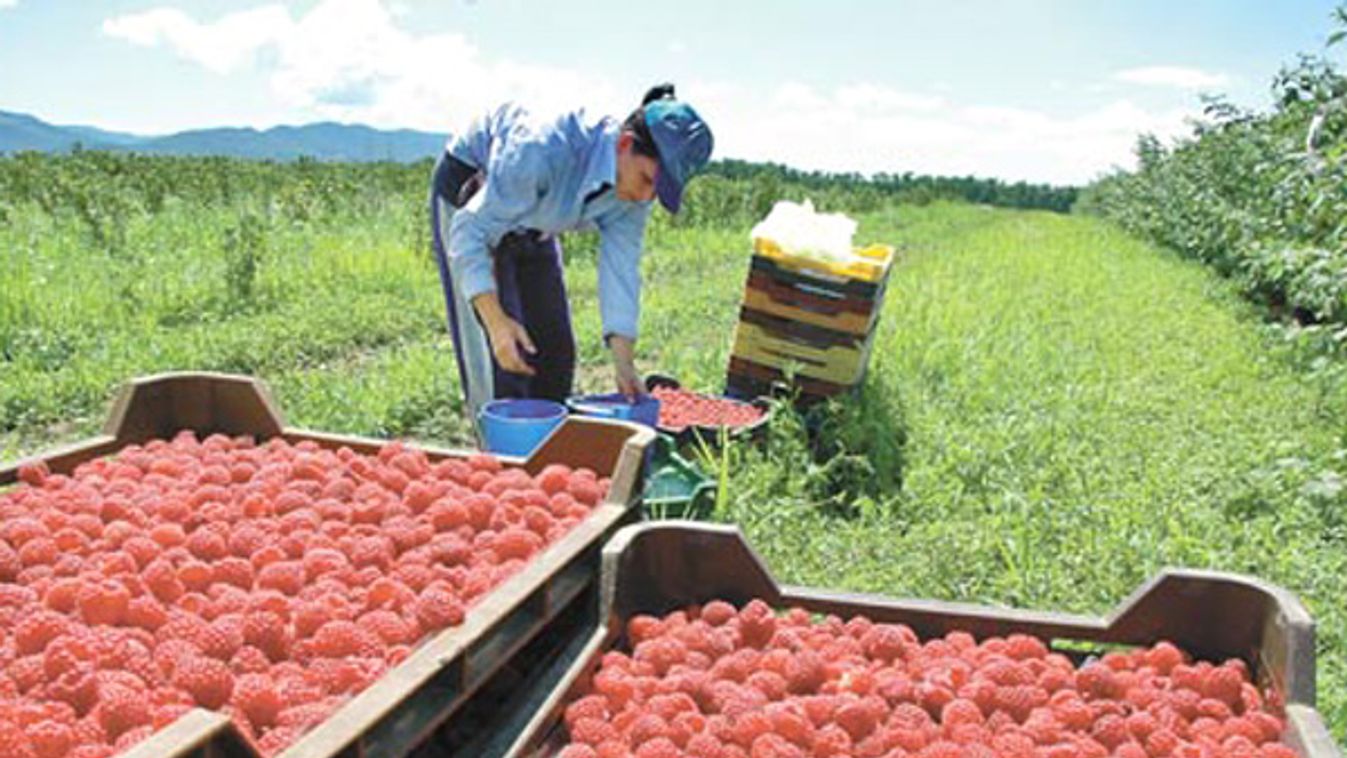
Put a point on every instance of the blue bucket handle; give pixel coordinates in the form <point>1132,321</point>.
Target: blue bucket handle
<point>608,411</point>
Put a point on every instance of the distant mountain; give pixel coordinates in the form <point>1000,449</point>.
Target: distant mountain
<point>322,141</point>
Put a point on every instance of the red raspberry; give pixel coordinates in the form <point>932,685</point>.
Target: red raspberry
<point>267,631</point>
<point>103,602</point>
<point>832,740</point>
<point>41,551</point>
<point>287,577</point>
<point>34,473</point>
<point>554,478</point>
<point>34,632</point>
<point>717,613</point>
<point>256,695</point>
<point>516,543</point>
<point>1095,680</point>
<point>757,624</point>
<point>660,747</point>
<point>1223,683</point>
<point>858,718</point>
<point>121,709</point>
<point>207,680</point>
<point>78,687</point>
<point>439,607</point>
<point>161,579</point>
<point>584,489</point>
<point>390,627</point>
<point>1024,647</point>
<point>590,731</point>
<point>222,638</point>
<point>51,739</point>
<point>340,639</point>
<point>1161,742</point>
<point>883,642</point>
<point>959,711</point>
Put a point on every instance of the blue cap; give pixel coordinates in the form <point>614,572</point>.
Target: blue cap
<point>684,144</point>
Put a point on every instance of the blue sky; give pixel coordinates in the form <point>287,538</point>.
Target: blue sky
<point>1044,90</point>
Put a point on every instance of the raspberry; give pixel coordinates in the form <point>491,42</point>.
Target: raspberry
<point>34,473</point>
<point>883,642</point>
<point>858,718</point>
<point>516,543</point>
<point>1161,742</point>
<point>832,740</point>
<point>161,579</point>
<point>717,613</point>
<point>77,687</point>
<point>35,632</point>
<point>287,577</point>
<point>757,624</point>
<point>577,751</point>
<point>50,739</point>
<point>207,680</point>
<point>390,627</point>
<point>340,639</point>
<point>1223,683</point>
<point>584,490</point>
<point>554,478</point>
<point>958,712</point>
<point>591,731</point>
<point>1110,731</point>
<point>222,638</point>
<point>704,745</point>
<point>438,607</point>
<point>1023,647</point>
<point>256,695</point>
<point>267,632</point>
<point>121,709</point>
<point>41,551</point>
<point>1096,680</point>
<point>103,602</point>
<point>589,706</point>
<point>792,724</point>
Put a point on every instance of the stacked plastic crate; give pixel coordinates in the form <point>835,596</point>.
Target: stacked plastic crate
<point>809,319</point>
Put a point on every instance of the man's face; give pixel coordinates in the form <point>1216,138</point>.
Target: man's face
<point>635,172</point>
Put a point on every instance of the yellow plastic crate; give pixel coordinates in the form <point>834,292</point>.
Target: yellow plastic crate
<point>873,269</point>
<point>838,364</point>
<point>820,312</point>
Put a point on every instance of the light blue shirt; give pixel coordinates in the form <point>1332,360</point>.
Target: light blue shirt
<point>539,169</point>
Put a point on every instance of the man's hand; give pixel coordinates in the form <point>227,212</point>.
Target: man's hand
<point>508,337</point>
<point>624,365</point>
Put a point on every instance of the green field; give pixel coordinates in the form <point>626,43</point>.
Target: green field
<point>1054,411</point>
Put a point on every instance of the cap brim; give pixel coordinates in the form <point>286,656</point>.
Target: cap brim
<point>668,190</point>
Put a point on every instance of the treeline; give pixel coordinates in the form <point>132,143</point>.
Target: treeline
<point>907,186</point>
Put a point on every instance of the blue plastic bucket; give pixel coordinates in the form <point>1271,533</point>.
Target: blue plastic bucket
<point>645,410</point>
<point>515,426</point>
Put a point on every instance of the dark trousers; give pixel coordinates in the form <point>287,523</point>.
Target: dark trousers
<point>531,290</point>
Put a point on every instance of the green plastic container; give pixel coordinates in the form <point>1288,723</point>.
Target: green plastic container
<point>675,487</point>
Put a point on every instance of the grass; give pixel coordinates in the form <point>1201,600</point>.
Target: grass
<point>1053,413</point>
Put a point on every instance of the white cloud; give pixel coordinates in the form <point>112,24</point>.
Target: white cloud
<point>8,4</point>
<point>1172,76</point>
<point>893,131</point>
<point>351,60</point>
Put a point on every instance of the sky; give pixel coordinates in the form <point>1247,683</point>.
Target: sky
<point>1038,90</point>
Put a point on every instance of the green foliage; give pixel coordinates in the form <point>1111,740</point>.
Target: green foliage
<point>1260,197</point>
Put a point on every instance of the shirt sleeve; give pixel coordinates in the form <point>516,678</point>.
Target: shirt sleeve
<point>515,180</point>
<point>620,240</point>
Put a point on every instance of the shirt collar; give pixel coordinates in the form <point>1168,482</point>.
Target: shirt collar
<point>602,166</point>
